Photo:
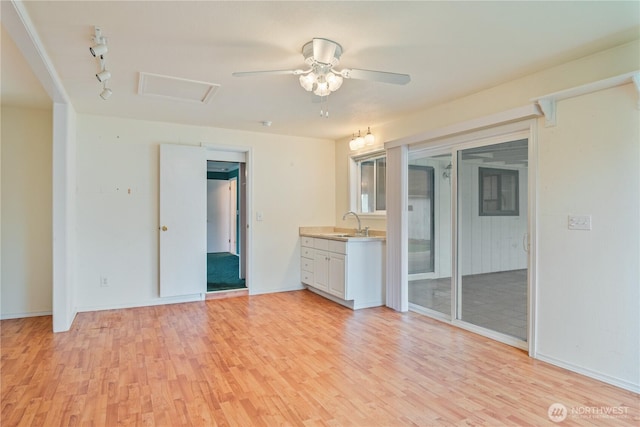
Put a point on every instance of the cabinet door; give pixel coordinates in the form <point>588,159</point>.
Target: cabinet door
<point>337,276</point>
<point>321,270</point>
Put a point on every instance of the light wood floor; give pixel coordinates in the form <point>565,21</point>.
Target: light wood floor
<point>281,359</point>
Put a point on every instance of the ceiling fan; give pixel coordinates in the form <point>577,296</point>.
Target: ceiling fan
<point>321,55</point>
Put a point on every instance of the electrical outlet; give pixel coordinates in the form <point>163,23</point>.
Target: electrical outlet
<point>579,222</point>
<point>104,281</point>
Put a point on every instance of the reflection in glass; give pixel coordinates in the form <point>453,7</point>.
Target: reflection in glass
<point>429,226</point>
<point>492,224</point>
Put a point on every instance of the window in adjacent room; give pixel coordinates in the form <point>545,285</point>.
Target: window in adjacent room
<point>369,185</point>
<point>498,192</point>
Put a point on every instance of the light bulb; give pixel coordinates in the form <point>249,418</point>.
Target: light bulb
<point>334,81</point>
<point>352,144</point>
<point>359,141</point>
<point>369,139</point>
<point>322,89</point>
<point>307,81</point>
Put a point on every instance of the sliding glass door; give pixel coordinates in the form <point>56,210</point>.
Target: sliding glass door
<point>429,217</point>
<point>467,235</point>
<point>492,237</point>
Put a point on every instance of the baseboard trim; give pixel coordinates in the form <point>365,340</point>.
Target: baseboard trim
<point>9,316</point>
<point>589,373</point>
<point>162,301</point>
<point>252,291</point>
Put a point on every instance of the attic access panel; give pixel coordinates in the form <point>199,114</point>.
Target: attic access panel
<point>176,88</point>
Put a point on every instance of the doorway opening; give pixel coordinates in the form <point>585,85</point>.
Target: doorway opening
<point>225,195</point>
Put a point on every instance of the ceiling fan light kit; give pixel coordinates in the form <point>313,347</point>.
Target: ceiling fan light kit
<point>321,55</point>
<point>98,50</point>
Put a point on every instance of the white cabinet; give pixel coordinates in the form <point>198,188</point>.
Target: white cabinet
<point>329,266</point>
<point>349,272</point>
<point>337,274</point>
<point>306,261</point>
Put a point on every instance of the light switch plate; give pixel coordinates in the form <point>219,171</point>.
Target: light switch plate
<point>579,222</point>
<point>259,216</point>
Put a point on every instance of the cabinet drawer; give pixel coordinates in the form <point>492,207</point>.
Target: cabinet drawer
<point>306,264</point>
<point>307,241</point>
<point>306,252</point>
<point>321,244</point>
<point>337,246</point>
<point>306,277</point>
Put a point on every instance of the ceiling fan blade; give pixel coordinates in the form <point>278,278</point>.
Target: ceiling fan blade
<point>376,76</point>
<point>268,72</point>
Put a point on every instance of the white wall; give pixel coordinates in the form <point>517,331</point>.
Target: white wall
<point>218,216</point>
<point>64,216</point>
<point>26,286</point>
<point>589,281</point>
<point>293,185</point>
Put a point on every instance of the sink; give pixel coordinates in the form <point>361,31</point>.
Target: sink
<point>342,235</point>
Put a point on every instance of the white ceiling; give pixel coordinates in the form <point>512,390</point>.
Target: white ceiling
<point>450,49</point>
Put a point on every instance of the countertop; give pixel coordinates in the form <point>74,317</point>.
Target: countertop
<point>335,233</point>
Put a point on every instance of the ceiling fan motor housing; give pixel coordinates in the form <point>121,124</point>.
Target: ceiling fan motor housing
<point>321,51</point>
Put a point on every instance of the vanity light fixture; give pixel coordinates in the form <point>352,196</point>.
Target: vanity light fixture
<point>358,142</point>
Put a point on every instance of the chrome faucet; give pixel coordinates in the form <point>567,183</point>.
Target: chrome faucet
<point>359,231</point>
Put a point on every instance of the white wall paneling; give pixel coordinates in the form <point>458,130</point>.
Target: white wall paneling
<point>490,243</point>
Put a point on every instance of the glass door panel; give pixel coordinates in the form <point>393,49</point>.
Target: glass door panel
<point>492,235</point>
<point>429,216</point>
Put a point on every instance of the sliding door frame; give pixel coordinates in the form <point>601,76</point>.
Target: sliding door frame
<point>489,136</point>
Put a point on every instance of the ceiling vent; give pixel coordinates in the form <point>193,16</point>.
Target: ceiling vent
<point>176,88</point>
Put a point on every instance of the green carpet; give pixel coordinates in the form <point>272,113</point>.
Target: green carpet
<point>222,272</point>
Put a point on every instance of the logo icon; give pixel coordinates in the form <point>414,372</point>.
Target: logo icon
<point>557,412</point>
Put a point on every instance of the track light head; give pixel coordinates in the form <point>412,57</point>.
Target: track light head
<point>103,76</point>
<point>106,93</point>
<point>98,50</point>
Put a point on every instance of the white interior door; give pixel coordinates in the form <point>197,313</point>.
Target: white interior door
<point>233,214</point>
<point>183,220</point>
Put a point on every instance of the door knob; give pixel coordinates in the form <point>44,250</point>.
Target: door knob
<point>164,228</point>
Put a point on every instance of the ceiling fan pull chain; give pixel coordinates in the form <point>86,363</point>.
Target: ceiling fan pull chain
<point>324,112</point>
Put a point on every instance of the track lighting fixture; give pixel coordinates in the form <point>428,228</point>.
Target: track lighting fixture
<point>98,51</point>
<point>103,76</point>
<point>106,93</point>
